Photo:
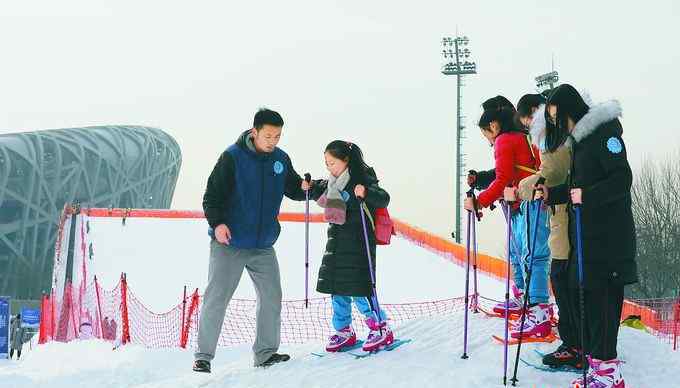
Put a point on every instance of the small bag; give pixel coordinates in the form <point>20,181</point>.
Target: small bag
<point>383,226</point>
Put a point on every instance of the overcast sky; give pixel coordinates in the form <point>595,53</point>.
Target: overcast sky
<point>364,71</point>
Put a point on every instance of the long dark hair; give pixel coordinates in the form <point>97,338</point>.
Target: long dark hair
<point>351,153</point>
<point>569,104</point>
<point>501,110</point>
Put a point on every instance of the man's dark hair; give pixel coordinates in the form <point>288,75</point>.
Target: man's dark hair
<point>267,117</point>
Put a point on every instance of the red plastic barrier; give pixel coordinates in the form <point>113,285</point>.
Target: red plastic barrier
<point>124,310</point>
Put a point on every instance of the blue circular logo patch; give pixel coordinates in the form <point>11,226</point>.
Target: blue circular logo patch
<point>278,167</point>
<point>345,196</point>
<point>614,145</point>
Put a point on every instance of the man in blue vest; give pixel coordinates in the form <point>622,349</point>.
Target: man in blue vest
<point>241,203</point>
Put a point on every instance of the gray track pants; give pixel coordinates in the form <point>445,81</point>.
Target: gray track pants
<point>225,270</point>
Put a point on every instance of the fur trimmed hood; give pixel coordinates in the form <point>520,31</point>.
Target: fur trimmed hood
<point>537,127</point>
<point>596,116</point>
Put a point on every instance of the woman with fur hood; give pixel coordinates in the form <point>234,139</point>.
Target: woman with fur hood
<point>599,181</point>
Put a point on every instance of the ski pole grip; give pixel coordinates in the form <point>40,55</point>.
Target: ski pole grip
<point>308,177</point>
<point>540,181</point>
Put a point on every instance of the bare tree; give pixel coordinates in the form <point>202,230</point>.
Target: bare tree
<point>656,209</point>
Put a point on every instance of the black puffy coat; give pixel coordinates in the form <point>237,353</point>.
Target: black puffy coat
<point>344,267</point>
<point>600,168</point>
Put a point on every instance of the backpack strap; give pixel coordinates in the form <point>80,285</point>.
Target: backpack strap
<point>525,168</point>
<point>533,156</point>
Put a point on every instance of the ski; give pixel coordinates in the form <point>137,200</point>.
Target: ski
<point>513,341</point>
<point>491,314</point>
<point>545,368</point>
<point>397,343</point>
<point>351,350</point>
<point>357,345</point>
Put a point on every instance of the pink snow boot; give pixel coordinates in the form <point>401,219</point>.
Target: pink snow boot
<point>536,325</point>
<point>342,338</point>
<point>602,374</point>
<point>515,303</point>
<point>379,336</point>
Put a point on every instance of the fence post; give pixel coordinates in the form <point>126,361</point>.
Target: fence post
<point>53,313</point>
<point>676,323</point>
<point>192,309</point>
<point>42,338</point>
<point>99,308</point>
<point>124,310</point>
<point>184,310</point>
<point>73,314</point>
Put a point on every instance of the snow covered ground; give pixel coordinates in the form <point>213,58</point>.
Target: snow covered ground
<point>161,256</point>
<point>431,360</point>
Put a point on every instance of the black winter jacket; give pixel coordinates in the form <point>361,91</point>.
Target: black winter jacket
<point>344,267</point>
<point>600,168</point>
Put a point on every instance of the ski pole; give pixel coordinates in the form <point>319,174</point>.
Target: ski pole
<point>508,214</point>
<point>474,265</point>
<point>308,179</point>
<point>375,305</point>
<point>579,253</point>
<point>475,298</point>
<point>470,220</point>
<point>539,203</point>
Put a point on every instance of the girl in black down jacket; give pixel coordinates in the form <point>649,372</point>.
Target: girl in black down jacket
<point>344,271</point>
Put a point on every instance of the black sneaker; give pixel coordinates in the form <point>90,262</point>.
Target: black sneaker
<point>563,356</point>
<point>275,359</point>
<point>202,366</point>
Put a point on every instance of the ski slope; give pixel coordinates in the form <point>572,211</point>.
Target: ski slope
<point>160,256</point>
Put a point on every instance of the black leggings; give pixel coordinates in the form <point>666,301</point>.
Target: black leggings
<point>603,307</point>
<point>559,279</point>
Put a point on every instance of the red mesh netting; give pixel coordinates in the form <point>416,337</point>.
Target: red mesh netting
<point>86,310</point>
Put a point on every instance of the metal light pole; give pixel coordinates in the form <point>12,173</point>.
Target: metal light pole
<point>457,62</point>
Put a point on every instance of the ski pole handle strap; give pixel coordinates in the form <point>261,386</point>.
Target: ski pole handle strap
<point>366,211</point>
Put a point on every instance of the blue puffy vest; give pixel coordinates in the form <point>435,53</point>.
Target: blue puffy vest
<point>253,208</point>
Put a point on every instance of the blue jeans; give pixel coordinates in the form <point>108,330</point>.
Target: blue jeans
<point>342,310</point>
<point>520,250</point>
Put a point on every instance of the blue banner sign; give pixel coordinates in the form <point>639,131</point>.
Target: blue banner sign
<point>4,327</point>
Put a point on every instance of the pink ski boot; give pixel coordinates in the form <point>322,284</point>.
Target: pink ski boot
<point>551,316</point>
<point>537,323</point>
<point>379,336</point>
<point>515,303</point>
<point>602,374</point>
<point>342,338</point>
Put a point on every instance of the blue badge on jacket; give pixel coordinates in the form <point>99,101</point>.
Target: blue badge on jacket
<point>614,145</point>
<point>345,195</point>
<point>278,167</point>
